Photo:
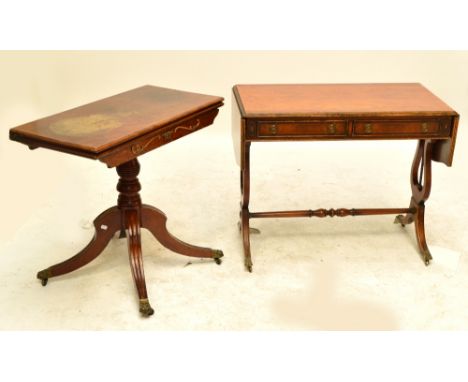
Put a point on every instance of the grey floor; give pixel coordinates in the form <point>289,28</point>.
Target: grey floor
<point>333,273</point>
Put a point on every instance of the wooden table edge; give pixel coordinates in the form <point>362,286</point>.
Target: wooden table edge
<point>34,143</point>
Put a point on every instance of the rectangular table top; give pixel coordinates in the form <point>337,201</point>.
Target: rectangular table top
<point>109,122</point>
<point>339,100</point>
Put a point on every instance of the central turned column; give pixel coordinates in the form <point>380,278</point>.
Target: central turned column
<point>129,204</point>
<point>129,186</point>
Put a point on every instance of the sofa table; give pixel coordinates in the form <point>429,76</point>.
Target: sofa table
<point>116,130</point>
<point>317,112</point>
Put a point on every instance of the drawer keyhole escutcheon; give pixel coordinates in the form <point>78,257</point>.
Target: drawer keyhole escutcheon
<point>424,127</point>
<point>368,128</point>
<point>273,129</point>
<point>332,128</point>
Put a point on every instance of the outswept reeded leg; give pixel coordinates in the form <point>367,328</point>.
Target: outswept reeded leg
<point>132,222</point>
<point>105,225</point>
<point>421,179</point>
<point>154,220</point>
<point>127,218</point>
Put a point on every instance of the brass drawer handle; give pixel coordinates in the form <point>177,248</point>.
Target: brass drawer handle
<point>332,128</point>
<point>273,129</point>
<point>368,128</point>
<point>424,127</point>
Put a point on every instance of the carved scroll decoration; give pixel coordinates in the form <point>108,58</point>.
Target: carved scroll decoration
<point>137,148</point>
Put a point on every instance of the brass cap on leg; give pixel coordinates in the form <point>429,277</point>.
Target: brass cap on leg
<point>145,308</point>
<point>217,253</point>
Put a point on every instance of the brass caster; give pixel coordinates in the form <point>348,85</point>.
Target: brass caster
<point>248,265</point>
<point>427,258</point>
<point>217,254</point>
<point>398,220</point>
<point>44,276</point>
<point>403,220</point>
<point>145,308</point>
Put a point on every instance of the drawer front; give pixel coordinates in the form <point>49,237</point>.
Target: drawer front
<point>399,128</point>
<point>302,129</point>
<point>141,145</point>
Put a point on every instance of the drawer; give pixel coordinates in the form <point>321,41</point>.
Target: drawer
<point>399,128</point>
<point>157,138</point>
<point>302,129</point>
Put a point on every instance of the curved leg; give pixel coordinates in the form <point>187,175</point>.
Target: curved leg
<point>106,225</point>
<point>246,239</point>
<point>244,212</point>
<point>132,223</point>
<point>421,235</point>
<point>155,220</point>
<point>421,179</point>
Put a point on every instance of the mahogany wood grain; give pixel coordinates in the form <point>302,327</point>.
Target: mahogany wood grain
<point>311,112</point>
<point>339,100</point>
<point>306,129</point>
<point>421,182</point>
<point>92,130</point>
<point>132,230</point>
<point>322,212</point>
<point>411,128</point>
<point>129,204</point>
<point>130,215</point>
<point>117,130</point>
<point>105,226</point>
<point>138,146</point>
<point>155,220</point>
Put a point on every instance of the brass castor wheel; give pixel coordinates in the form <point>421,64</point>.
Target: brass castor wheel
<point>399,220</point>
<point>248,265</point>
<point>217,254</point>
<point>44,276</point>
<point>145,308</point>
<point>427,258</point>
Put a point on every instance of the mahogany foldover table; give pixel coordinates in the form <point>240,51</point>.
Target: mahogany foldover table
<point>116,130</point>
<point>314,112</point>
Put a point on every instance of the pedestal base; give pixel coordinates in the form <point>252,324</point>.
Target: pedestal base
<point>128,217</point>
